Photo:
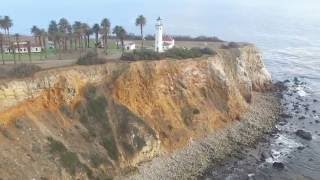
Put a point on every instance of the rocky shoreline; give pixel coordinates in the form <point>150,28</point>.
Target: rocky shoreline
<point>192,161</point>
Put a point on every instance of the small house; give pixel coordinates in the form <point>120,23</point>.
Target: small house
<point>129,46</point>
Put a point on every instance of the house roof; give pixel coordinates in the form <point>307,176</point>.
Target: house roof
<point>23,39</point>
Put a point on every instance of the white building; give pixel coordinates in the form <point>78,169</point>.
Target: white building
<point>22,47</point>
<point>168,42</point>
<point>129,46</point>
<point>158,36</point>
<point>162,42</point>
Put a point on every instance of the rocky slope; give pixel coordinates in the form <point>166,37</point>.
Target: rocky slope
<point>99,121</point>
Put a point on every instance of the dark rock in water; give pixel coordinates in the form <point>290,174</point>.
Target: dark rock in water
<point>265,155</point>
<point>283,115</point>
<point>304,135</point>
<point>310,159</point>
<point>282,123</point>
<point>315,100</point>
<point>300,148</point>
<point>314,111</point>
<point>297,82</point>
<point>286,81</point>
<point>280,86</point>
<point>302,118</point>
<point>317,121</point>
<point>278,165</point>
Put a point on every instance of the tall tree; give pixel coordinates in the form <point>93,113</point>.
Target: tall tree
<point>96,30</point>
<point>121,33</point>
<point>36,33</point>
<point>7,24</point>
<point>44,36</point>
<point>77,33</point>
<point>63,27</point>
<point>115,31</point>
<point>52,31</point>
<point>1,47</point>
<point>85,32</point>
<point>2,26</point>
<point>55,35</point>
<point>105,30</point>
<point>141,22</point>
<point>70,36</point>
<point>17,38</point>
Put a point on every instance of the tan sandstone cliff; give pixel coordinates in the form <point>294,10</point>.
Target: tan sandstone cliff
<point>98,121</point>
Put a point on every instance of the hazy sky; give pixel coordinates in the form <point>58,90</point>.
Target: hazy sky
<point>188,17</point>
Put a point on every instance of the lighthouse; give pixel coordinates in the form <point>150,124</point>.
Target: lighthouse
<point>158,36</point>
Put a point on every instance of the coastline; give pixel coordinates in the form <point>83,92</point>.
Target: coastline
<point>192,161</point>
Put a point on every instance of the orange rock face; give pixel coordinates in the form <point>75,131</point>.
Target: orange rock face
<point>126,113</point>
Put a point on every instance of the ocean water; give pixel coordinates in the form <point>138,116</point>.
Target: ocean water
<point>291,51</point>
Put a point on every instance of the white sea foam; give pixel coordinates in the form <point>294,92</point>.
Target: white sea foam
<point>282,147</point>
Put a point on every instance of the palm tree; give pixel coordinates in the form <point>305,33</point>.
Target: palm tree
<point>121,34</point>
<point>55,35</point>
<point>105,30</point>
<point>1,47</point>
<point>44,35</point>
<point>77,33</point>
<point>2,25</point>
<point>96,30</point>
<point>141,21</point>
<point>52,31</point>
<point>115,31</point>
<point>17,37</point>
<point>29,51</point>
<point>7,24</point>
<point>70,36</point>
<point>85,32</point>
<point>36,33</point>
<point>63,27</point>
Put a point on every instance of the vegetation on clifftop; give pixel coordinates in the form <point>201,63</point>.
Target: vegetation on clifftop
<point>175,53</point>
<point>90,58</point>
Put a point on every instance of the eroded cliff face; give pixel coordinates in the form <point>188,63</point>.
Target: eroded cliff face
<point>99,121</point>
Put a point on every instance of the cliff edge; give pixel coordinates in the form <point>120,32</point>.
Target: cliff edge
<point>100,121</point>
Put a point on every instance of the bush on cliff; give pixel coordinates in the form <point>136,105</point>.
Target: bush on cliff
<point>24,70</point>
<point>231,45</point>
<point>90,58</point>
<point>175,53</point>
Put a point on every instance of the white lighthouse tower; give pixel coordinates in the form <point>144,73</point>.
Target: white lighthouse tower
<point>158,36</point>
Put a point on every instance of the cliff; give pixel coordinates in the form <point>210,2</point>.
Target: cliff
<point>99,121</point>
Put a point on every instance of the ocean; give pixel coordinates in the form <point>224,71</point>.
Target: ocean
<point>291,53</point>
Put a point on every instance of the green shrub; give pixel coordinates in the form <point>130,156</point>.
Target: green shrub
<point>183,53</point>
<point>174,53</point>
<point>90,58</point>
<point>56,146</point>
<point>69,160</point>
<point>96,160</point>
<point>24,70</point>
<point>143,54</point>
<point>188,113</point>
<point>230,45</point>
<point>109,144</point>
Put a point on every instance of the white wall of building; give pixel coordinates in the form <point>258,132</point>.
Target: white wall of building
<point>158,36</point>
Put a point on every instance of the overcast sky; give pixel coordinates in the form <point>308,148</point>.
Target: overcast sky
<point>188,17</point>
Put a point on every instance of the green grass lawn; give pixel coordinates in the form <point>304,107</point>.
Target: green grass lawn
<point>52,54</point>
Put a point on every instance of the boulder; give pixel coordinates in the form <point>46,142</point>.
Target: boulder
<point>304,135</point>
<point>278,165</point>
